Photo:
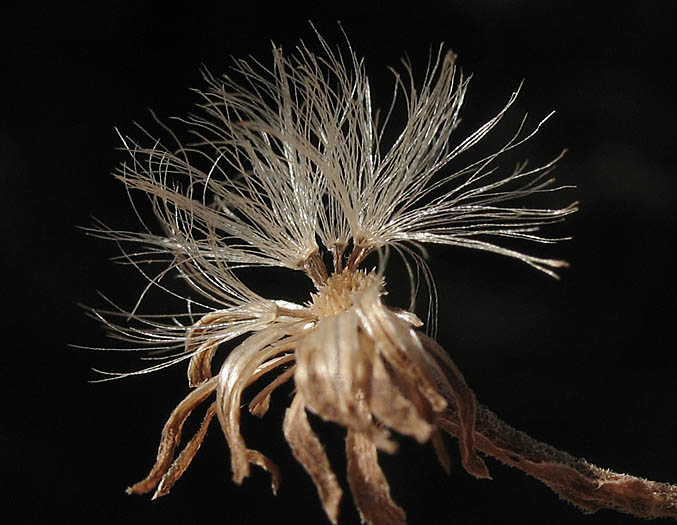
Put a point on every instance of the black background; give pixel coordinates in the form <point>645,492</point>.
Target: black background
<point>586,363</point>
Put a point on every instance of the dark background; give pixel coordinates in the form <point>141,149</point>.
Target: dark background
<point>586,363</point>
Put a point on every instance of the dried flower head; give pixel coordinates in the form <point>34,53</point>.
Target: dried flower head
<point>288,169</point>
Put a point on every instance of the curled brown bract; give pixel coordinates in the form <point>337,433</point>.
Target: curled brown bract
<point>308,451</point>
<point>171,437</point>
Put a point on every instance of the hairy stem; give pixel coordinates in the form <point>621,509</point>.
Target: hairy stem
<point>574,479</point>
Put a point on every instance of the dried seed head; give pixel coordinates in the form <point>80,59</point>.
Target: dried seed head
<point>289,169</point>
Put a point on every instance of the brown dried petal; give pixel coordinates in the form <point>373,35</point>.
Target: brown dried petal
<point>200,365</point>
<point>171,435</point>
<point>224,326</point>
<point>258,406</point>
<point>393,409</point>
<point>237,372</point>
<point>262,461</point>
<point>441,451</point>
<point>333,373</point>
<point>466,406</point>
<point>368,484</point>
<point>308,451</point>
<point>399,346</point>
<point>184,459</point>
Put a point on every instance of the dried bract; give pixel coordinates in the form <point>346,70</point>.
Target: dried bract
<point>288,169</point>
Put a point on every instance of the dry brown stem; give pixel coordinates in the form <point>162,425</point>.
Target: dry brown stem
<point>575,480</point>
